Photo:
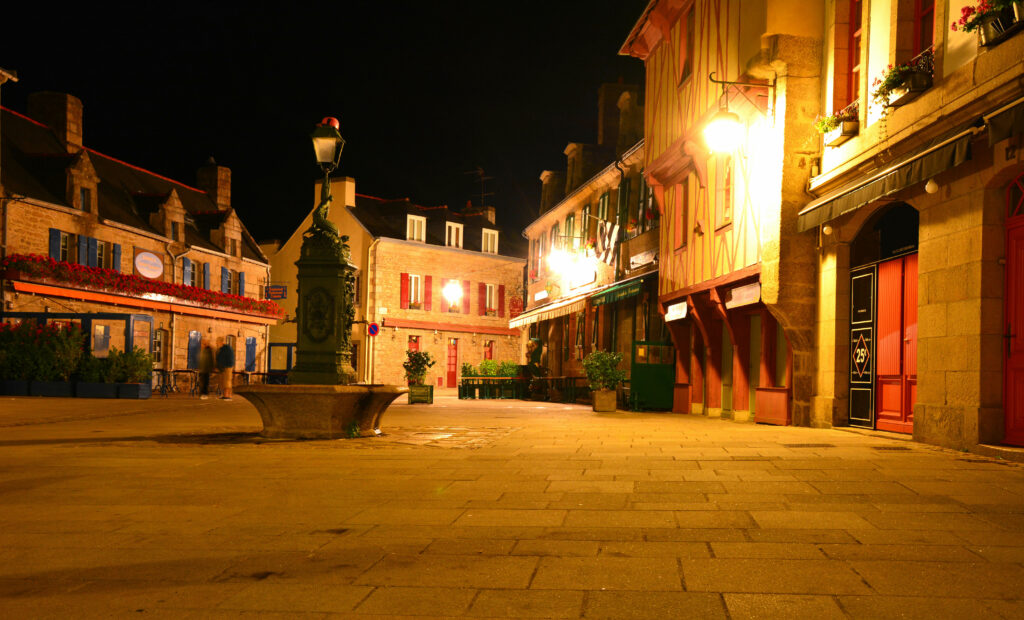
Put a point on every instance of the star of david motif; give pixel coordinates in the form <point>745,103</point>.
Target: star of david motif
<point>861,355</point>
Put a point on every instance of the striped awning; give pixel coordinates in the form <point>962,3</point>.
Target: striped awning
<point>551,311</point>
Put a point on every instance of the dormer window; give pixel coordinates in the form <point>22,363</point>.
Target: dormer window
<point>233,247</point>
<point>175,231</point>
<point>84,198</point>
<point>489,244</point>
<point>415,228</point>
<point>453,235</point>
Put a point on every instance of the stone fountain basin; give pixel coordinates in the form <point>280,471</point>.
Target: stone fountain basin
<point>320,411</point>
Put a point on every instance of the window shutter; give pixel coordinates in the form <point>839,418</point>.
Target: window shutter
<point>186,271</point>
<point>427,286</point>
<point>115,257</point>
<point>482,305</point>
<point>94,260</point>
<point>207,283</point>
<point>83,250</point>
<point>225,280</point>
<point>241,283</point>
<point>501,300</point>
<point>465,297</point>
<point>404,291</point>
<point>54,244</point>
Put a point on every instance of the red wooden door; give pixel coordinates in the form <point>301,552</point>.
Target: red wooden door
<point>1013,349</point>
<point>452,366</point>
<point>896,353</point>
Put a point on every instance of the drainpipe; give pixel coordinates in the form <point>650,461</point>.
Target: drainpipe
<point>370,314</point>
<point>171,337</point>
<point>620,214</point>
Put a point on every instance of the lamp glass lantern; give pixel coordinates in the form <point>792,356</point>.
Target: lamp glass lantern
<point>328,143</point>
<point>724,132</point>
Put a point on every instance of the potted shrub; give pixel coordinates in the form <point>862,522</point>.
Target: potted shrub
<point>901,83</point>
<point>604,377</point>
<point>132,371</point>
<point>56,351</point>
<point>508,368</point>
<point>993,20</point>
<point>488,368</point>
<point>17,358</point>
<point>840,126</point>
<point>416,365</point>
<point>94,380</point>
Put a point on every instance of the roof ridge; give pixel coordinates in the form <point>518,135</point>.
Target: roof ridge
<point>141,169</point>
<point>27,118</point>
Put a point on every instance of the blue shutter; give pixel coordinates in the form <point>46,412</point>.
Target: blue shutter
<point>94,260</point>
<point>225,280</point>
<point>54,244</point>
<point>115,257</point>
<point>250,355</point>
<point>83,250</point>
<point>207,284</point>
<point>241,283</point>
<point>186,271</point>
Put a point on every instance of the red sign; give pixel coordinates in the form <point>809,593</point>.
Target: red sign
<point>515,307</point>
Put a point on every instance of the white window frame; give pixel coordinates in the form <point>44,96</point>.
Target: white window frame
<point>491,297</point>
<point>416,228</point>
<point>453,234</point>
<point>489,241</point>
<point>103,257</point>
<point>415,289</point>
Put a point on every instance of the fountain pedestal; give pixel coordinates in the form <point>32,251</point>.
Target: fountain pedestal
<point>321,411</point>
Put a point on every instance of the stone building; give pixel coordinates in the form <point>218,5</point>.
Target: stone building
<point>918,226</point>
<point>736,281</point>
<point>405,256</point>
<point>886,248</point>
<point>67,202</point>
<point>593,260</point>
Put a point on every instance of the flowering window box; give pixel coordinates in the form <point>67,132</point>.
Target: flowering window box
<point>915,83</point>
<point>843,132</point>
<point>994,20</point>
<point>491,312</point>
<point>415,305</point>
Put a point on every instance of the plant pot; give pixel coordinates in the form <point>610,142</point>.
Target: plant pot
<point>14,387</point>
<point>56,389</point>
<point>421,394</point>
<point>916,83</point>
<point>605,401</point>
<point>995,26</point>
<point>134,390</point>
<point>95,390</point>
<point>842,133</point>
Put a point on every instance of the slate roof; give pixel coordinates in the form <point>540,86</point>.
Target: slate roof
<point>33,163</point>
<point>386,218</point>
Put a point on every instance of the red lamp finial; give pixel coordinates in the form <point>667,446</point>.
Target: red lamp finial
<point>333,122</point>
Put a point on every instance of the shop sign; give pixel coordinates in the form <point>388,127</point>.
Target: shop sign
<point>539,295</point>
<point>675,312</point>
<point>637,261</point>
<point>743,295</point>
<point>277,291</point>
<point>148,264</point>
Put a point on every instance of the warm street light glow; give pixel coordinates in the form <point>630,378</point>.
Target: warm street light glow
<point>328,143</point>
<point>724,132</point>
<point>452,292</point>
<point>559,261</point>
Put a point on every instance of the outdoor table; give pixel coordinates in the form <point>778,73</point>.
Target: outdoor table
<point>192,376</point>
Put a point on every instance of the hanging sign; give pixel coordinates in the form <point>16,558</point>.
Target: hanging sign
<point>148,264</point>
<point>675,312</point>
<point>277,291</point>
<point>637,261</point>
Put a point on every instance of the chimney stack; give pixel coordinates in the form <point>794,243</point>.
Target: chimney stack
<point>62,113</point>
<point>216,182</point>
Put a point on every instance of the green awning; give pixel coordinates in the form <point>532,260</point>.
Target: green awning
<point>1005,122</point>
<point>618,292</point>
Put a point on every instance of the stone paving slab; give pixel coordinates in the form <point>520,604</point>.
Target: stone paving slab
<point>493,509</point>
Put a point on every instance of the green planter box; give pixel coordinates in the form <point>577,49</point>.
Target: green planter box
<point>95,390</point>
<point>134,390</point>
<point>421,394</point>
<point>60,389</point>
<point>14,387</point>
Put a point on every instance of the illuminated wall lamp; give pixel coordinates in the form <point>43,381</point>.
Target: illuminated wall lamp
<point>725,129</point>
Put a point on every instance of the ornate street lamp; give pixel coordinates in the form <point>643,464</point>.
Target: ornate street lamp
<point>725,129</point>
<point>327,145</point>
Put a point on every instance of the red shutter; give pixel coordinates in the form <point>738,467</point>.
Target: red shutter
<point>404,301</point>
<point>501,300</point>
<point>426,293</point>
<point>465,297</point>
<point>483,299</point>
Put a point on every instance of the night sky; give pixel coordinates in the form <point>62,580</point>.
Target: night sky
<point>425,92</point>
